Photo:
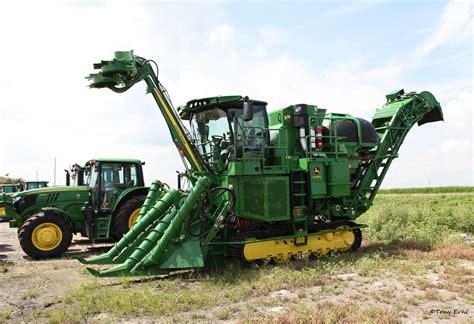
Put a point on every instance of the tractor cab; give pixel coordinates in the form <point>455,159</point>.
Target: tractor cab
<point>28,185</point>
<point>8,188</point>
<point>116,194</point>
<point>107,179</point>
<point>226,128</point>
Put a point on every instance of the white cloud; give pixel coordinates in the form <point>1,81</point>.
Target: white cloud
<point>222,36</point>
<point>455,17</point>
<point>458,113</point>
<point>270,36</point>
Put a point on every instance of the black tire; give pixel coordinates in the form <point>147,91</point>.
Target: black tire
<point>32,247</point>
<point>120,221</point>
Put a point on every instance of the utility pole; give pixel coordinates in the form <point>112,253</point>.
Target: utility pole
<point>36,174</point>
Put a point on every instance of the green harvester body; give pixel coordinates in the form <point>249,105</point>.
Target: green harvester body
<point>257,185</point>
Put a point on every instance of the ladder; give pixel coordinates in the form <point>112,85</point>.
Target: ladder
<point>299,203</point>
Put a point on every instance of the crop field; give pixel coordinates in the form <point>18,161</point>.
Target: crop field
<point>416,264</point>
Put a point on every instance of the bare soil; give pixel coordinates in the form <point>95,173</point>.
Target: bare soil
<point>27,284</point>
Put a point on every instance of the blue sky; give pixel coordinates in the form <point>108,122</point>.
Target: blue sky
<point>344,56</point>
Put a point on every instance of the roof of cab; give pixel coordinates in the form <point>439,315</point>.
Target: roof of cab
<point>210,102</point>
<point>118,160</point>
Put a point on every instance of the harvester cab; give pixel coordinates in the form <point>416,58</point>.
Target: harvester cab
<point>261,186</point>
<point>226,128</point>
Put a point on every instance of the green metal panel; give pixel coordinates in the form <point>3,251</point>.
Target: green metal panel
<point>264,198</point>
<point>278,205</point>
<point>253,200</point>
<point>338,179</point>
<point>317,174</point>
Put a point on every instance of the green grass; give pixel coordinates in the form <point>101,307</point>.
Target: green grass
<point>430,190</point>
<point>423,219</point>
<point>6,314</point>
<point>409,236</point>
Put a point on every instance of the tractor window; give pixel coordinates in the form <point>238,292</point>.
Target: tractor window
<point>113,179</point>
<point>8,189</point>
<point>208,127</point>
<point>133,175</point>
<point>249,136</point>
<point>35,185</point>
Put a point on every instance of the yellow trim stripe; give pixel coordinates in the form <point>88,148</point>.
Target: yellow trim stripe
<point>178,130</point>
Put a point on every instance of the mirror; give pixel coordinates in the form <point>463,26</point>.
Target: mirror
<point>248,111</point>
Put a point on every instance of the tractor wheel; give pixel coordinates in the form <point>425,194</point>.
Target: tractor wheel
<point>126,216</point>
<point>45,236</point>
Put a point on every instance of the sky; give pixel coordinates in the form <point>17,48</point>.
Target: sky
<point>340,55</point>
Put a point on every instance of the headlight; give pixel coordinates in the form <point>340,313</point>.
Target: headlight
<point>22,202</point>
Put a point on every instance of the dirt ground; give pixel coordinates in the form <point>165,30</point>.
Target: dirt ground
<point>27,286</point>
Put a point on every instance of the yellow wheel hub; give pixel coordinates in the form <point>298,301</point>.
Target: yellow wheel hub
<point>46,236</point>
<point>133,217</point>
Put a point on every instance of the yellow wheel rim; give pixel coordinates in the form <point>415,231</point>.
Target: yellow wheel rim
<point>133,217</point>
<point>46,236</point>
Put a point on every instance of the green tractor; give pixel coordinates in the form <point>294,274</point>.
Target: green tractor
<point>260,186</point>
<point>11,189</point>
<point>7,189</point>
<point>112,194</point>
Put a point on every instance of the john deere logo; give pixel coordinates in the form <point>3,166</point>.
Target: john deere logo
<point>316,170</point>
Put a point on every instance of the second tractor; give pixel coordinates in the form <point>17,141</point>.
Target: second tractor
<point>102,204</point>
